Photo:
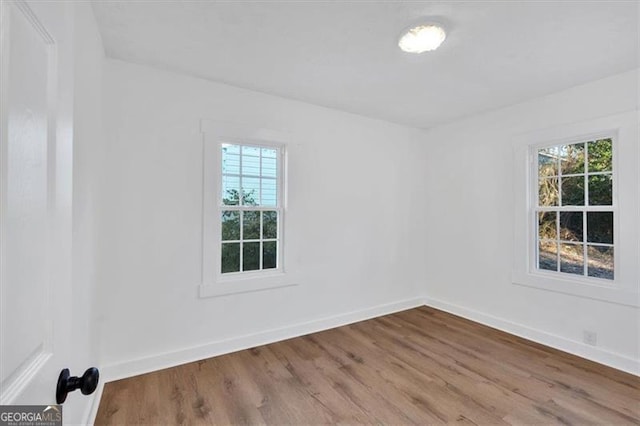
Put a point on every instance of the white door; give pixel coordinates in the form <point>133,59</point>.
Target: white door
<point>35,195</point>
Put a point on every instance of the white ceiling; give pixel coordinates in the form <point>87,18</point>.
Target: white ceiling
<point>344,55</point>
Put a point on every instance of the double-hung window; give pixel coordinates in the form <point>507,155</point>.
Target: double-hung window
<point>250,208</point>
<point>243,209</point>
<point>574,207</point>
<point>577,209</point>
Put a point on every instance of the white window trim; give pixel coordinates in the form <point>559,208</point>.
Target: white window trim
<point>626,207</point>
<point>214,283</point>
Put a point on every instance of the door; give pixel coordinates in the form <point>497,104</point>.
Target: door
<point>35,196</point>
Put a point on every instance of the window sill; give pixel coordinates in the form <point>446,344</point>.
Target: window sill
<point>245,284</point>
<point>590,289</point>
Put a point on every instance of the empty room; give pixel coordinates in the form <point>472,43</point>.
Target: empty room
<point>319,212</point>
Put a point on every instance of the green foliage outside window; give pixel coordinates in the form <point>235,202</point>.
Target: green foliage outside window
<point>576,175</point>
<point>251,221</point>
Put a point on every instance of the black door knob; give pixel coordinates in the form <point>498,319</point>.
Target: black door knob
<point>67,383</point>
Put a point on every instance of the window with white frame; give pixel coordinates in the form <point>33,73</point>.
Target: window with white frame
<point>574,208</point>
<point>577,209</point>
<point>250,208</point>
<point>243,208</point>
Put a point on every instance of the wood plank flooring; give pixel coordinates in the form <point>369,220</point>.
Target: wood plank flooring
<point>421,366</point>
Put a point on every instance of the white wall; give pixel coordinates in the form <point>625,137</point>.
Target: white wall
<point>377,214</point>
<point>350,221</point>
<point>87,142</point>
<point>468,221</point>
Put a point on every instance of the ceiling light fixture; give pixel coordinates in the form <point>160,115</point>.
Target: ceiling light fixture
<point>422,38</point>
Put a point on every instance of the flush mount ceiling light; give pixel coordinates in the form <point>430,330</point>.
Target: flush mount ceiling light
<point>422,38</point>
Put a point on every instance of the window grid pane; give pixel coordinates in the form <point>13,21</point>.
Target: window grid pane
<point>574,229</point>
<point>572,258</point>
<point>251,214</point>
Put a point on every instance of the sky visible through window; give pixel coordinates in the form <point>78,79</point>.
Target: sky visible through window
<point>255,168</point>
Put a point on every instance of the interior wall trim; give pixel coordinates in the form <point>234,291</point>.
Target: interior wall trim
<point>164,360</point>
<point>169,359</point>
<point>593,353</point>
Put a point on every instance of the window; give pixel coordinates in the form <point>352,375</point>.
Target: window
<point>243,210</point>
<point>574,208</point>
<point>250,210</point>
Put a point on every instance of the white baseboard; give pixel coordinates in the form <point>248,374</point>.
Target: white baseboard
<point>170,359</point>
<point>602,356</point>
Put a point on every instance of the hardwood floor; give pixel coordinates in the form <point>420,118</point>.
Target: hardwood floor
<point>420,366</point>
